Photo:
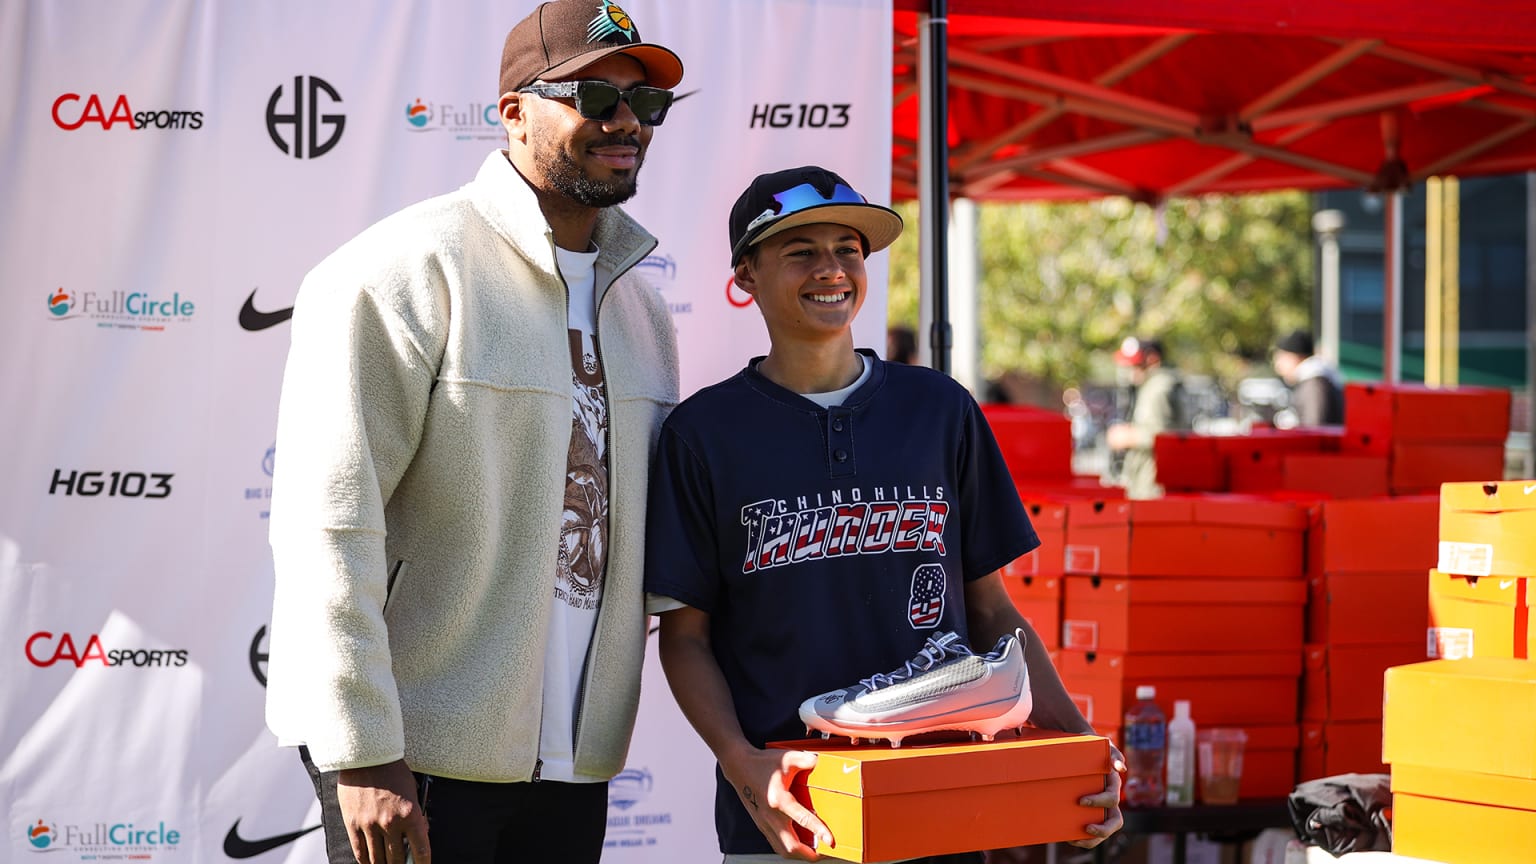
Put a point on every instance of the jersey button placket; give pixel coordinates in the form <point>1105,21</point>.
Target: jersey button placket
<point>840,461</point>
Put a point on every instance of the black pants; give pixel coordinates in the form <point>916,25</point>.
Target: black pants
<point>488,823</point>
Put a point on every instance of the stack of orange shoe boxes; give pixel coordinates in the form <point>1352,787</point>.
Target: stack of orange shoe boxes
<point>1268,461</point>
<point>1458,735</point>
<point>1367,610</point>
<point>1479,595</point>
<point>1202,598</point>
<point>1033,581</point>
<point>1458,732</point>
<point>1428,436</point>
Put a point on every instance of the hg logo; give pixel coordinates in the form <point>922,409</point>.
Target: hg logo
<point>305,118</point>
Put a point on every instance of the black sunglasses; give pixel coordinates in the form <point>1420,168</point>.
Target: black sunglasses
<point>598,100</point>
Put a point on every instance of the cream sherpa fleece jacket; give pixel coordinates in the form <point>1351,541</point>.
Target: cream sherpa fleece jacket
<point>422,436</point>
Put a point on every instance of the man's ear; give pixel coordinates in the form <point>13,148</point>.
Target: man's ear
<point>514,117</point>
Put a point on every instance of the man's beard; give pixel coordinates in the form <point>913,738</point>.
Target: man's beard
<point>567,178</point>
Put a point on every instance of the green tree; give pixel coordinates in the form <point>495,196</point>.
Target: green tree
<point>1062,284</point>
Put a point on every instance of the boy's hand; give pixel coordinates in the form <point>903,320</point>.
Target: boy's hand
<point>762,780</point>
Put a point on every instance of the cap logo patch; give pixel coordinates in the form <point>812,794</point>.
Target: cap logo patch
<point>611,21</point>
<point>762,218</point>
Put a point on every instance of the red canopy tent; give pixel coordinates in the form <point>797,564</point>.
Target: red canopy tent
<point>1150,100</point>
<point>1055,99</point>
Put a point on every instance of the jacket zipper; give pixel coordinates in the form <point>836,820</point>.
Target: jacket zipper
<point>389,587</point>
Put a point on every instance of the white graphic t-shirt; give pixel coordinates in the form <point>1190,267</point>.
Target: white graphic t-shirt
<point>584,530</point>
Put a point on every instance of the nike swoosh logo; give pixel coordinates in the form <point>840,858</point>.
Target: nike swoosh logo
<point>236,846</point>
<point>850,768</point>
<point>1506,584</point>
<point>253,320</point>
<point>1530,488</point>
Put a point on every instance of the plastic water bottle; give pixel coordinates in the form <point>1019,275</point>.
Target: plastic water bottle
<point>1146,729</point>
<point>1181,756</point>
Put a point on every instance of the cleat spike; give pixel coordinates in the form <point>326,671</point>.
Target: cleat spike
<point>852,740</point>
<point>895,742</point>
<point>826,736</point>
<point>988,736</point>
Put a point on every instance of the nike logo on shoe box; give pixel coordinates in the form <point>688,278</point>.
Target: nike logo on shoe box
<point>1039,773</point>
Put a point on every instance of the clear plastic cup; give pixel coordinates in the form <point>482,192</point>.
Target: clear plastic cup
<point>1221,764</point>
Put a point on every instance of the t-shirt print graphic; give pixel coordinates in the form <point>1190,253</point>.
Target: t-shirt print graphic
<point>584,528</point>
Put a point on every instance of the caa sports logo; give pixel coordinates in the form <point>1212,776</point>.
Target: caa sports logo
<point>69,114</point>
<point>43,649</point>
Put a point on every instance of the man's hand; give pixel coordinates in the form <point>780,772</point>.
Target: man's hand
<point>1108,801</point>
<point>762,779</point>
<point>1121,436</point>
<point>379,807</point>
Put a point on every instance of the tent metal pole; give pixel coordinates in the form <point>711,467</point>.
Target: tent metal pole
<point>1392,301</point>
<point>935,206</point>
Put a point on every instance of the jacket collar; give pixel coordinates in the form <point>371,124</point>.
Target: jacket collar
<point>506,200</point>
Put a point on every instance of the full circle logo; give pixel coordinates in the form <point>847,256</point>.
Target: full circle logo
<point>418,114</point>
<point>40,835</point>
<point>59,303</point>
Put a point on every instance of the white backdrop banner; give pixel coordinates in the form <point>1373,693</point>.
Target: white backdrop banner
<point>170,171</point>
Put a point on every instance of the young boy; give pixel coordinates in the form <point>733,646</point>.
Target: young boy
<point>818,517</point>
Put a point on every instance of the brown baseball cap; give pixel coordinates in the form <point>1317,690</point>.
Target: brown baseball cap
<point>562,37</point>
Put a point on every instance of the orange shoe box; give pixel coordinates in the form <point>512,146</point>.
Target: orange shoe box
<point>1488,529</point>
<point>1461,817</point>
<point>1187,462</point>
<point>1185,537</point>
<point>1474,715</point>
<point>1189,616</point>
<point>1256,462</point>
<point>1368,608</point>
<point>1035,442</point>
<point>1038,599</point>
<point>880,802</point>
<point>1050,523</point>
<point>1348,747</point>
<point>1377,415</point>
<point>1223,689</point>
<point>1419,468</point>
<point>1344,682</point>
<point>1479,617</point>
<point>1373,535</point>
<point>1341,475</point>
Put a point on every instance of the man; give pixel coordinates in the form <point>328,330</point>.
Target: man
<point>466,425</point>
<point>757,616</point>
<point>1156,408</point>
<point>1317,393</point>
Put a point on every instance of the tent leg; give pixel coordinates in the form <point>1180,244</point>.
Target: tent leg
<point>1392,301</point>
<point>933,186</point>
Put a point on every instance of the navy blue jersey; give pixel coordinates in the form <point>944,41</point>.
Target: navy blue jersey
<point>825,544</point>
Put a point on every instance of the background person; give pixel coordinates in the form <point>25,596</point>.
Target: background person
<point>458,515</point>
<point>1317,391</point>
<point>1156,407</point>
